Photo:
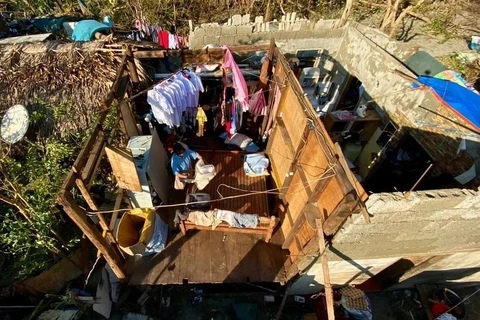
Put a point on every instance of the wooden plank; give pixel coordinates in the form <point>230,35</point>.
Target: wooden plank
<point>78,215</point>
<point>123,167</point>
<point>340,214</point>
<point>326,273</point>
<point>116,206</point>
<point>150,54</point>
<point>361,194</point>
<point>84,190</point>
<point>266,67</point>
<point>132,68</point>
<point>90,166</point>
<point>129,120</point>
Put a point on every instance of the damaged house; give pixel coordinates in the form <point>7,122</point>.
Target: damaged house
<point>363,158</point>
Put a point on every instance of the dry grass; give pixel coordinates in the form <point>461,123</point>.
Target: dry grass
<point>71,79</point>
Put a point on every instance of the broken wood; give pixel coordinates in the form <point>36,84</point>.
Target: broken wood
<point>346,13</point>
<point>362,195</point>
<point>326,273</point>
<point>266,67</point>
<point>78,215</point>
<point>124,168</point>
<point>387,6</point>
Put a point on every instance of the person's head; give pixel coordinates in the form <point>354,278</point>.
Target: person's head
<point>178,149</point>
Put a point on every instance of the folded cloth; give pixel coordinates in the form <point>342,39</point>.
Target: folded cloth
<point>227,216</point>
<point>245,220</point>
<point>255,164</point>
<point>204,218</point>
<point>204,173</point>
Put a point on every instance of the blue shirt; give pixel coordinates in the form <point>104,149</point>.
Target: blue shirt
<point>182,164</point>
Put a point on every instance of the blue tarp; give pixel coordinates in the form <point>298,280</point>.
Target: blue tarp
<point>86,29</point>
<point>463,101</point>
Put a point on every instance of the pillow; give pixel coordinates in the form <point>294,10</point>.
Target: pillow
<point>239,140</point>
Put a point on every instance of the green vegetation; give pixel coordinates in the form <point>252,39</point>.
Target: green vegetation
<point>31,173</point>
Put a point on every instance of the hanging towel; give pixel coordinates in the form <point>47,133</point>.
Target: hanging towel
<point>239,83</point>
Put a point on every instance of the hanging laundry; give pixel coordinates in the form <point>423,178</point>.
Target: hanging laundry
<point>239,83</point>
<point>171,98</point>
<point>257,104</point>
<point>201,118</point>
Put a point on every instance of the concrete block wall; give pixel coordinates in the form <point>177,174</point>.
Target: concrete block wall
<point>426,223</point>
<point>243,30</point>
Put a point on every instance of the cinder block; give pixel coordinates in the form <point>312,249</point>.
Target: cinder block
<point>196,42</point>
<point>259,19</point>
<point>211,40</point>
<point>293,16</point>
<point>200,32</point>
<point>237,20</point>
<point>228,30</point>
<point>285,35</point>
<point>245,39</point>
<point>230,39</point>
<point>245,29</point>
<point>246,18</point>
<point>213,31</point>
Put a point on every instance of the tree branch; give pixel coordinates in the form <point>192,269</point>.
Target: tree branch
<point>381,5</point>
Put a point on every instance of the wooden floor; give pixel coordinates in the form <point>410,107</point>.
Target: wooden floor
<point>210,256</point>
<point>206,257</point>
<point>229,167</point>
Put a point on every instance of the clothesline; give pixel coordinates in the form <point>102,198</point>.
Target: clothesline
<point>251,193</point>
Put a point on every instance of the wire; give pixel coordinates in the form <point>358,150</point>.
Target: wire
<point>269,191</point>
<point>464,299</point>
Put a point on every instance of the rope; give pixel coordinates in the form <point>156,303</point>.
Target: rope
<point>250,193</point>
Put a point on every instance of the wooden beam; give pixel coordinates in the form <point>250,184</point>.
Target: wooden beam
<point>84,190</point>
<point>132,68</point>
<point>361,194</point>
<point>266,67</point>
<point>342,211</point>
<point>78,215</point>
<point>150,54</point>
<point>90,166</point>
<point>326,273</point>
<point>118,202</point>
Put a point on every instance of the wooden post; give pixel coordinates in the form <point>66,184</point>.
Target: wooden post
<point>132,68</point>
<point>326,272</point>
<point>78,216</point>
<point>271,227</point>
<point>266,67</point>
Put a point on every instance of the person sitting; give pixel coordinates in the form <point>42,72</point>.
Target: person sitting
<point>182,164</point>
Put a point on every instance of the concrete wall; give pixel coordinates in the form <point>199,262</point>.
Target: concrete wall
<point>436,127</point>
<point>427,223</point>
<point>441,224</point>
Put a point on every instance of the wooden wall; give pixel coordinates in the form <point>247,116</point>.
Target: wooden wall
<point>307,168</point>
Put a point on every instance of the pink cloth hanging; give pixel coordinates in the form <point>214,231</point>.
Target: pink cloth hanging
<point>257,104</point>
<point>239,83</point>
